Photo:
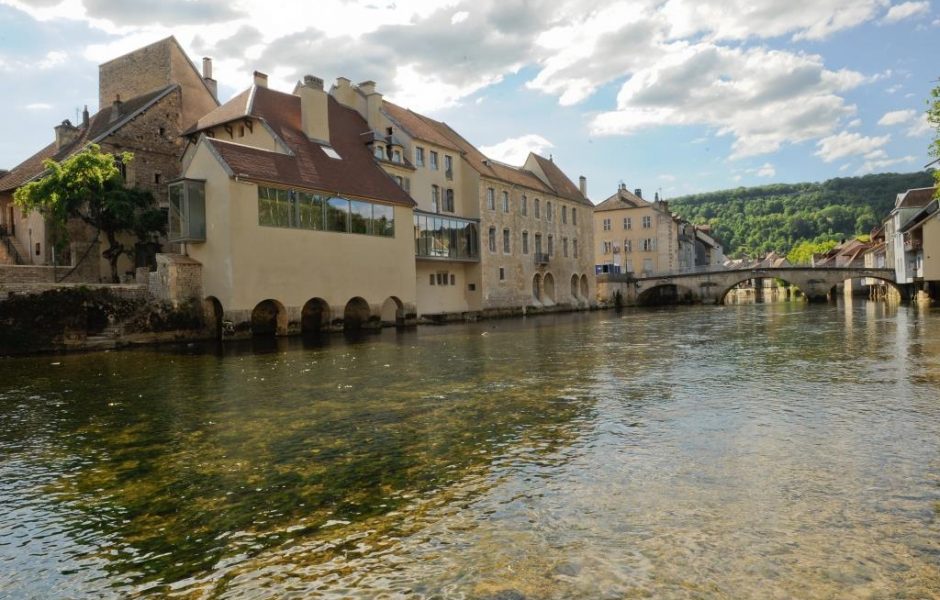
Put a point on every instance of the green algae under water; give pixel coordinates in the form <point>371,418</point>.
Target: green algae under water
<point>746,451</point>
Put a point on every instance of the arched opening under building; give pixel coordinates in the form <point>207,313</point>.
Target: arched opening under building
<point>356,314</point>
<point>315,316</point>
<point>760,290</point>
<point>537,287</point>
<point>212,309</point>
<point>872,288</point>
<point>575,287</point>
<point>585,291</point>
<point>393,312</point>
<point>269,317</point>
<point>665,295</point>
<point>548,288</point>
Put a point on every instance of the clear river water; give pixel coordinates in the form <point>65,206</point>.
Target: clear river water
<point>750,451</point>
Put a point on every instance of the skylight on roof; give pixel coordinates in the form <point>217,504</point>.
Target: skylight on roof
<point>329,151</point>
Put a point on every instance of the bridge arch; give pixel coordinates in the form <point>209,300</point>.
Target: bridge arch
<point>666,293</point>
<point>901,290</point>
<point>722,296</point>
<point>269,317</point>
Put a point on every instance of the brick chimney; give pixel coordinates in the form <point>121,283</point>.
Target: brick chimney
<point>373,103</point>
<point>582,185</point>
<point>65,134</point>
<point>638,192</point>
<point>211,83</point>
<point>85,117</point>
<point>314,108</point>
<point>116,109</point>
<point>260,79</point>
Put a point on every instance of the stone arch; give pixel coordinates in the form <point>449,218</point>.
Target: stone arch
<point>393,312</point>
<point>315,316</point>
<point>665,294</point>
<point>269,317</point>
<point>574,286</point>
<point>212,309</point>
<point>902,292</point>
<point>548,287</point>
<point>585,290</point>
<point>537,287</point>
<point>805,289</point>
<point>357,313</point>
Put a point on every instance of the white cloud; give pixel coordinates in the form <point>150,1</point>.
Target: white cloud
<point>667,178</point>
<point>896,117</point>
<point>882,162</point>
<point>514,151</point>
<point>52,59</point>
<point>38,106</point>
<point>767,170</point>
<point>906,10</point>
<point>921,127</point>
<point>844,144</point>
<point>763,98</point>
<point>459,17</point>
<point>855,123</point>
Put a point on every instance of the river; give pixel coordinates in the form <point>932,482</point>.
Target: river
<point>748,451</point>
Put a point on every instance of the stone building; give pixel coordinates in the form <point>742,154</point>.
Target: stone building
<point>489,237</point>
<point>293,224</point>
<point>147,98</point>
<point>636,236</point>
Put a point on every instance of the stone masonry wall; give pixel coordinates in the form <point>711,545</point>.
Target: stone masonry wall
<point>177,279</point>
<point>133,74</point>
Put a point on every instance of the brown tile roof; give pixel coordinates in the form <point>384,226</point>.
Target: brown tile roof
<point>564,187</point>
<point>99,127</point>
<point>622,199</point>
<point>356,174</point>
<point>915,198</point>
<point>236,108</point>
<point>418,126</point>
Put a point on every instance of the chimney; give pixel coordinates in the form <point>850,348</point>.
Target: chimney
<point>314,108</point>
<point>261,79</point>
<point>85,117</point>
<point>65,134</point>
<point>582,185</point>
<point>211,83</point>
<point>638,192</point>
<point>656,197</point>
<point>116,108</point>
<point>373,103</point>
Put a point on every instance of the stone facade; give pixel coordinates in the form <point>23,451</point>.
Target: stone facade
<point>177,279</point>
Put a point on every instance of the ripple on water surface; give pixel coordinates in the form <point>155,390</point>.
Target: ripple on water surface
<point>746,451</point>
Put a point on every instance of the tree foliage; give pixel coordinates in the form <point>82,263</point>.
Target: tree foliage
<point>88,186</point>
<point>756,220</point>
<point>933,117</point>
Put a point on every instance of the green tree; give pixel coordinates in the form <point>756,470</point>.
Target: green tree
<point>88,186</point>
<point>802,253</point>
<point>933,117</point>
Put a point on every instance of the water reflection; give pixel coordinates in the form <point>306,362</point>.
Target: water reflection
<point>752,451</point>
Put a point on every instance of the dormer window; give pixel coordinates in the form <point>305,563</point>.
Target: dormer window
<point>379,152</point>
<point>396,156</point>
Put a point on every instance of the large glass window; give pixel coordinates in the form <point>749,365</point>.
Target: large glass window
<point>383,220</point>
<point>274,207</point>
<point>337,214</point>
<point>309,211</point>
<point>442,237</point>
<point>187,214</point>
<point>360,216</point>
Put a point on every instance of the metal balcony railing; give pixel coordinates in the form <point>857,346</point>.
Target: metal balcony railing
<point>541,258</point>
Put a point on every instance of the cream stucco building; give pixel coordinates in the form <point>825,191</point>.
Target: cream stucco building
<point>294,224</point>
<point>489,237</point>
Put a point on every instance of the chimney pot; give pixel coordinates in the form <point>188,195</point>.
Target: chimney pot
<point>367,87</point>
<point>85,116</point>
<point>582,185</point>
<point>638,192</point>
<point>342,82</point>
<point>313,82</point>
<point>260,79</point>
<point>206,67</point>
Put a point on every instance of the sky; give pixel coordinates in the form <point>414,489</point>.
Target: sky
<point>675,96</point>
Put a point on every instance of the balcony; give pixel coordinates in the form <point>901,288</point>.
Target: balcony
<point>541,258</point>
<point>912,244</point>
<point>446,238</point>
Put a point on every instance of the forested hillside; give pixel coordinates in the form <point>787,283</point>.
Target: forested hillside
<point>755,220</point>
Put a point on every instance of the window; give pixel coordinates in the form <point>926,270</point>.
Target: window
<point>564,247</point>
<point>156,178</point>
<point>435,199</point>
<point>337,214</point>
<point>360,216</point>
<point>607,248</point>
<point>548,211</point>
<point>574,247</point>
<point>383,220</point>
<point>506,247</point>
<point>309,211</point>
<point>161,131</point>
<point>574,217</point>
<point>535,205</point>
<point>440,278</point>
<point>453,279</point>
<point>274,207</point>
<point>538,243</point>
<point>502,274</point>
<point>648,245</point>
<point>505,202</point>
<point>187,214</point>
<point>628,245</point>
<point>379,152</point>
<point>396,156</point>
<point>433,160</point>
<point>419,156</point>
<point>647,222</point>
<point>523,206</point>
<point>491,198</point>
<point>241,131</point>
<point>648,265</point>
<point>492,239</point>
<point>525,242</point>
<point>564,215</point>
<point>627,223</point>
<point>432,278</point>
<point>606,224</point>
<point>441,237</point>
<point>472,287</point>
<point>449,200</point>
<point>38,249</point>
<point>551,245</point>
<point>448,166</point>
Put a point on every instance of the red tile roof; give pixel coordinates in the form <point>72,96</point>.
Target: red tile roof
<point>355,174</point>
<point>622,199</point>
<point>100,126</point>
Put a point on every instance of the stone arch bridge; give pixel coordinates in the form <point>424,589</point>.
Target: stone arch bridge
<point>709,286</point>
